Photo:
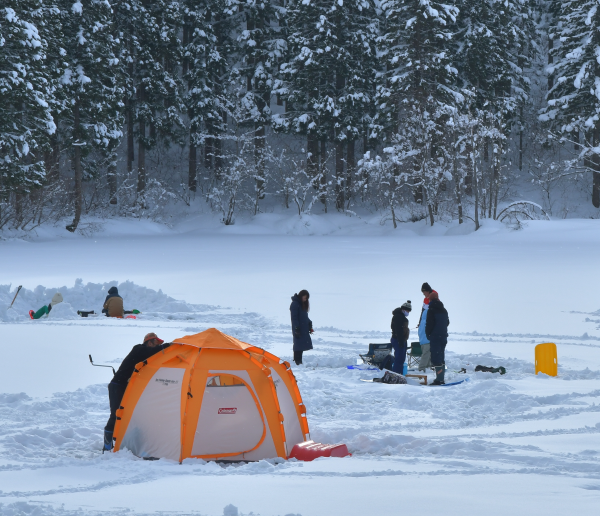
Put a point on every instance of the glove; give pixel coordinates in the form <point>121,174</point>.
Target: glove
<point>311,331</point>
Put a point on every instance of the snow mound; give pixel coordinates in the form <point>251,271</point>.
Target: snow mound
<point>91,296</point>
<point>62,312</point>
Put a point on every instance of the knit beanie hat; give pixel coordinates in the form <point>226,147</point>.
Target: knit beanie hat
<point>407,306</point>
<point>426,287</point>
<point>57,298</point>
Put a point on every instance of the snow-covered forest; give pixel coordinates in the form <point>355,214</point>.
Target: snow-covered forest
<point>416,109</point>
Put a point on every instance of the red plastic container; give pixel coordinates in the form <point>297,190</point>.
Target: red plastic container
<point>310,450</point>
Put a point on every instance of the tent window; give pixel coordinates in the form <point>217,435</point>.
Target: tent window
<point>224,380</point>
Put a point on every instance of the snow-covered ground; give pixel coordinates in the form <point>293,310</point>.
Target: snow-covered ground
<point>517,444</point>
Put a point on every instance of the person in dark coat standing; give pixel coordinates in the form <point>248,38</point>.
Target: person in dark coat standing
<point>116,388</point>
<point>302,326</point>
<point>400,334</point>
<point>436,329</point>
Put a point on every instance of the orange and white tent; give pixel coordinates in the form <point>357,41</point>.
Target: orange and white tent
<point>213,397</point>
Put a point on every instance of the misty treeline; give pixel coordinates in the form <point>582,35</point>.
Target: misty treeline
<point>411,108</point>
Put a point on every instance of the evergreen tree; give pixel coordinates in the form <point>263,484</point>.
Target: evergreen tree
<point>417,95</point>
<point>153,51</point>
<point>327,79</point>
<point>207,47</point>
<point>92,119</point>
<point>260,48</point>
<point>574,99</point>
<point>27,86</point>
<point>491,55</point>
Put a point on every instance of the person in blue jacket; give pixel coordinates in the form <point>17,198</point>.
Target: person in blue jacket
<point>302,326</point>
<point>436,329</point>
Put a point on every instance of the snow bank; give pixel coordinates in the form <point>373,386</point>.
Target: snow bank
<point>91,296</point>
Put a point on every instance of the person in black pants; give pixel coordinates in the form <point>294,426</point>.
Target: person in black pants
<point>400,334</point>
<point>116,388</point>
<point>302,327</point>
<point>436,329</point>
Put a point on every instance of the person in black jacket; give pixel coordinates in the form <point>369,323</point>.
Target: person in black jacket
<point>302,326</point>
<point>400,334</point>
<point>116,388</point>
<point>436,329</point>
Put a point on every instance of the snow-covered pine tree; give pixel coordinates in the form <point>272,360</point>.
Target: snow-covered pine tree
<point>153,50</point>
<point>417,94</point>
<point>492,52</point>
<point>574,99</point>
<point>92,86</point>
<point>327,79</point>
<point>206,67</point>
<point>259,47</point>
<point>26,97</point>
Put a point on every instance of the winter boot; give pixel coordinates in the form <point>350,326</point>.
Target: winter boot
<point>31,313</point>
<point>439,376</point>
<point>108,441</point>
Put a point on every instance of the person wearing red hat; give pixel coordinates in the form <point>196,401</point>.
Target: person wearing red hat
<point>436,328</point>
<point>116,388</point>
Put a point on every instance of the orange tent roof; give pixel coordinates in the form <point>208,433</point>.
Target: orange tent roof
<point>213,338</point>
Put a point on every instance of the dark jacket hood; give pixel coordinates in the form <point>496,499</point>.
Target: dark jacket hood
<point>113,291</point>
<point>296,297</point>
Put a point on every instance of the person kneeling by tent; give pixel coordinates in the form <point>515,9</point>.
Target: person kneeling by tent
<point>436,329</point>
<point>56,298</point>
<point>113,304</point>
<point>116,388</point>
<point>400,334</point>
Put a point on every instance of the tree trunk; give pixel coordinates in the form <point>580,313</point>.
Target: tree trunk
<point>323,173</point>
<point>218,150</point>
<point>259,158</point>
<point>350,167</point>
<point>77,168</point>
<point>192,179</point>
<point>496,189</point>
<point>208,148</point>
<point>430,209</point>
<point>130,121</point>
<point>550,61</point>
<point>521,138</point>
<point>475,183</point>
<point>469,174</point>
<point>141,179</point>
<point>339,176</point>
<point>111,177</point>
<point>312,158</point>
<point>457,181</point>
<point>52,160</point>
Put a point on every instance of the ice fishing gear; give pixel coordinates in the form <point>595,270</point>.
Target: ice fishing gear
<point>13,301</point>
<point>448,384</point>
<point>131,312</point>
<point>99,365</point>
<point>85,313</point>
<point>486,369</point>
